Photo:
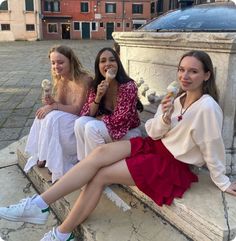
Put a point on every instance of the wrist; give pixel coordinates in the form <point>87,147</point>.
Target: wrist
<point>96,102</point>
<point>55,106</point>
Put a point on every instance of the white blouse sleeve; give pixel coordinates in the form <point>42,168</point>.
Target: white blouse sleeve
<point>209,139</point>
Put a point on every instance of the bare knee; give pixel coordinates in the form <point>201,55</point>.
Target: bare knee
<point>80,123</point>
<point>101,150</point>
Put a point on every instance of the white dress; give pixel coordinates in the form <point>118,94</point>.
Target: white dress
<point>53,139</point>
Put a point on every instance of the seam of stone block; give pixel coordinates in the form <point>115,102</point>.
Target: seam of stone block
<point>226,214</point>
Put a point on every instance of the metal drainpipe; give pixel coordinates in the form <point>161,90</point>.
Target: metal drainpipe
<point>123,15</point>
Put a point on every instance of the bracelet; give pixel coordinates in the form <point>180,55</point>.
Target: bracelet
<point>97,103</point>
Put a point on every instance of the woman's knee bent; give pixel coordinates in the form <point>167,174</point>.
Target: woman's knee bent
<point>81,122</point>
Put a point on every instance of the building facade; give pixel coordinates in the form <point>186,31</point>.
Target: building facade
<point>20,20</point>
<point>77,19</point>
<point>71,19</point>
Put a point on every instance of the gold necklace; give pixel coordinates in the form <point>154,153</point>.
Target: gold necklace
<point>180,116</point>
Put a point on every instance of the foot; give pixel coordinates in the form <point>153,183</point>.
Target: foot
<point>25,211</point>
<point>51,236</point>
<point>41,164</point>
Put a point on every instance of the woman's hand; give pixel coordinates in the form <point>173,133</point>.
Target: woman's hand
<point>101,90</point>
<point>48,100</point>
<point>99,117</point>
<point>232,188</point>
<point>167,108</point>
<point>43,111</point>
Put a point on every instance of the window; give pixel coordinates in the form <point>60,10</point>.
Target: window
<point>52,28</point>
<point>29,5</point>
<point>101,24</point>
<point>52,6</point>
<point>160,6</point>
<point>127,25</point>
<point>137,8</point>
<point>152,7</point>
<point>84,7</point>
<point>110,8</point>
<point>4,5</point>
<point>5,27</point>
<point>76,26</point>
<point>118,25</point>
<point>94,26</point>
<point>30,27</point>
<point>136,25</point>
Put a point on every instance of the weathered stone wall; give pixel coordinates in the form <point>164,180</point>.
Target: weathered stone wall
<point>152,58</point>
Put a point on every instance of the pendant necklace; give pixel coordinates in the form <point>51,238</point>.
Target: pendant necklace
<point>180,116</point>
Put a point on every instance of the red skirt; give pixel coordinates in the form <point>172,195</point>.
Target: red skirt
<point>156,172</point>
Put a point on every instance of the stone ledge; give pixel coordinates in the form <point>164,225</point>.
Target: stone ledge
<point>204,213</point>
<point>109,222</point>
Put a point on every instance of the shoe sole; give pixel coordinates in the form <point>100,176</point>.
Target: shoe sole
<point>27,220</point>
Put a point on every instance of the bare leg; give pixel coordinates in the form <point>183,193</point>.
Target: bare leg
<point>83,172</point>
<point>89,198</point>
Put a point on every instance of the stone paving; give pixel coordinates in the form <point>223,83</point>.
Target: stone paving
<point>23,65</point>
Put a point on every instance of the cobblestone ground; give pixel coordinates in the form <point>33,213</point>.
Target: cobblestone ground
<point>23,65</point>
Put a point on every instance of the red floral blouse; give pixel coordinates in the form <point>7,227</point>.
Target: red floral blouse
<point>125,115</point>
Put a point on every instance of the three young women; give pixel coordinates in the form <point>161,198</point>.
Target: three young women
<point>186,131</point>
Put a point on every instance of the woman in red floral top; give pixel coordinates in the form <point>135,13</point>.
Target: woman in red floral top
<point>111,108</point>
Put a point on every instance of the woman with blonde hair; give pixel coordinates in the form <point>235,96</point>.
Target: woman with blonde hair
<point>51,140</point>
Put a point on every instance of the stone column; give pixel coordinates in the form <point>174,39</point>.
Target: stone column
<point>152,58</point>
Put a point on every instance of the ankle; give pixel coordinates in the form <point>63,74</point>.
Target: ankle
<point>39,202</point>
<point>63,236</point>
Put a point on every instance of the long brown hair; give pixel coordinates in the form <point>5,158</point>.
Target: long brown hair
<point>209,86</point>
<point>121,76</point>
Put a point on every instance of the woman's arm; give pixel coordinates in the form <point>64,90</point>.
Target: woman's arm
<point>74,108</point>
<point>78,99</point>
<point>101,91</point>
<point>77,103</point>
<point>207,135</point>
<point>158,126</point>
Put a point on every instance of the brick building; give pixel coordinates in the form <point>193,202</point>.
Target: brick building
<point>74,19</point>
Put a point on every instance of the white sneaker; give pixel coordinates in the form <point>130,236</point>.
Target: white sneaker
<point>51,236</point>
<point>25,211</point>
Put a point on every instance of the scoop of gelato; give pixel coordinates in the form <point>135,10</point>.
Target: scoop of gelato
<point>46,86</point>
